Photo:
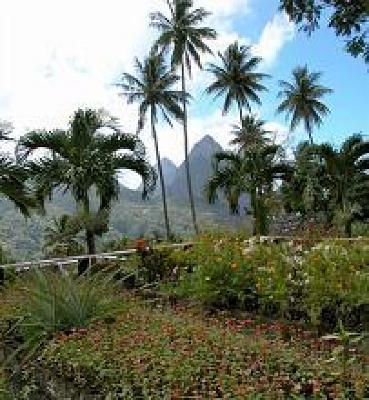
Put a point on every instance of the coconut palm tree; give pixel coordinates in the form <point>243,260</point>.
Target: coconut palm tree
<point>153,89</point>
<point>82,159</point>
<point>251,134</point>
<point>248,172</point>
<point>301,100</point>
<point>348,180</point>
<point>236,78</point>
<point>182,33</point>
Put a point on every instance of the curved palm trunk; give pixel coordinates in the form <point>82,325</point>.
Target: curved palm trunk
<point>161,175</point>
<point>187,163</point>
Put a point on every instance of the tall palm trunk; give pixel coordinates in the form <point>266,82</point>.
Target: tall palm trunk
<point>90,235</point>
<point>161,175</point>
<point>187,163</point>
<point>254,207</point>
<point>90,240</point>
<point>311,138</point>
<point>240,112</point>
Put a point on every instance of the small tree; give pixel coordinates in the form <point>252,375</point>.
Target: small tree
<point>84,158</point>
<point>252,171</point>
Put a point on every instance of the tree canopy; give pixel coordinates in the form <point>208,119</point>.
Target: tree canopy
<point>349,19</point>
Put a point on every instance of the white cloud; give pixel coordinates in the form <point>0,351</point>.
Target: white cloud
<point>57,56</point>
<point>275,35</point>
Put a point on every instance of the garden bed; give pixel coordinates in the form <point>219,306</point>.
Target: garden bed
<point>173,353</point>
<point>229,318</point>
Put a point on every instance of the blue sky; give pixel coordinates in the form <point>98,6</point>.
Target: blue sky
<point>323,51</point>
<point>58,56</point>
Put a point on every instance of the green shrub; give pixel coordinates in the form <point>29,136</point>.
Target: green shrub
<point>337,280</point>
<point>319,284</point>
<point>217,275</point>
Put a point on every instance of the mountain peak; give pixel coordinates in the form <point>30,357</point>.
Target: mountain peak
<point>205,148</point>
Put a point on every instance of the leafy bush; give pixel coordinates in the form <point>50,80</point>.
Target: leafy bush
<point>319,284</point>
<point>215,273</point>
<point>337,280</point>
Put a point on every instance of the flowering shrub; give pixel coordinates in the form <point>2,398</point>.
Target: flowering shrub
<point>338,279</point>
<point>220,275</point>
<point>289,280</point>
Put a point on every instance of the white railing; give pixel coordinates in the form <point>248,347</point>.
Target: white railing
<point>73,259</point>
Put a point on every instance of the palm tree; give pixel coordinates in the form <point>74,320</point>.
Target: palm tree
<point>251,134</point>
<point>153,89</point>
<point>301,100</point>
<point>236,78</point>
<point>82,159</point>
<point>248,172</point>
<point>13,185</point>
<point>348,181</point>
<point>181,32</point>
<point>305,193</point>
<point>13,180</point>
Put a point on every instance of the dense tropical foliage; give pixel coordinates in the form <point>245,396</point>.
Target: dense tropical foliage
<point>252,169</point>
<point>333,182</point>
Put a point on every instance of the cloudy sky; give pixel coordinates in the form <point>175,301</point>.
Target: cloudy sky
<point>56,56</point>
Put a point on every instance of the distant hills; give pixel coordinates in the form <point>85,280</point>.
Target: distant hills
<point>131,215</point>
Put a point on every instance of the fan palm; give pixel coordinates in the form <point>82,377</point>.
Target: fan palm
<point>236,78</point>
<point>181,32</point>
<point>348,180</point>
<point>248,172</point>
<point>301,100</point>
<point>84,158</point>
<point>251,134</point>
<point>153,89</point>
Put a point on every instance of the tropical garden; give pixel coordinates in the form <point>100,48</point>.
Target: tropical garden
<point>278,311</point>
